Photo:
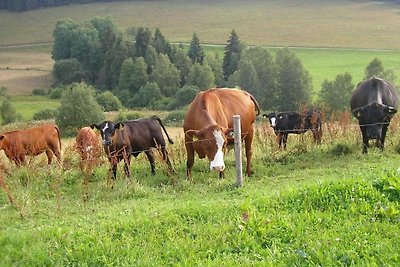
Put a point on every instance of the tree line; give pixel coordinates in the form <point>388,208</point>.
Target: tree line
<point>25,5</point>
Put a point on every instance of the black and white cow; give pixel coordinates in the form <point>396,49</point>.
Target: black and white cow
<point>374,102</point>
<point>293,122</point>
<point>121,140</point>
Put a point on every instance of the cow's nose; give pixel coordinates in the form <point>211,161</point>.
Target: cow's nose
<point>218,168</point>
<point>106,142</point>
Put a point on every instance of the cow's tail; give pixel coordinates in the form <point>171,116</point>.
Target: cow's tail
<point>255,103</point>
<point>162,126</point>
<point>59,135</point>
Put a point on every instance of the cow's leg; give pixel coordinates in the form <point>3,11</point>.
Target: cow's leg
<point>49,155</point>
<point>55,149</point>
<point>279,140</point>
<point>383,136</point>
<point>149,154</point>
<point>127,164</point>
<point>365,140</point>
<point>284,139</point>
<point>249,152</point>
<point>190,159</point>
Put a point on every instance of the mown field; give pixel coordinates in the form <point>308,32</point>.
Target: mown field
<point>306,206</point>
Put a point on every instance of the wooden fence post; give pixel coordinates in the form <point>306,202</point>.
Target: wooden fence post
<point>238,150</point>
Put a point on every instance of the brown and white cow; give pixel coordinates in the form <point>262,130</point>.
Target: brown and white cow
<point>123,139</point>
<point>209,122</point>
<point>32,142</point>
<point>88,145</point>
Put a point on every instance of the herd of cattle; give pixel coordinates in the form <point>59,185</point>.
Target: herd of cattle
<point>208,127</point>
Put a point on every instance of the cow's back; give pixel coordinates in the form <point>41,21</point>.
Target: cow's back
<point>143,133</point>
<point>219,106</point>
<point>373,90</point>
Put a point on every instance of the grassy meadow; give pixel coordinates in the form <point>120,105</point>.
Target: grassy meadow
<point>308,205</point>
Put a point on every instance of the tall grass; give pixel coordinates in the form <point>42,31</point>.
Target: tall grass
<point>307,205</point>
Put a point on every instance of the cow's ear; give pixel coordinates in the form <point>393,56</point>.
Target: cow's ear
<point>193,134</point>
<point>95,126</point>
<point>119,126</point>
<point>2,137</point>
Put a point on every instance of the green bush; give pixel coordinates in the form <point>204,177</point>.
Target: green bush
<point>78,109</point>
<point>56,93</point>
<point>175,118</point>
<point>45,114</point>
<point>8,112</point>
<point>39,91</point>
<point>108,101</point>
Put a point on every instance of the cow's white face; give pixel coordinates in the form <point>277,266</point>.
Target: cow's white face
<point>273,121</point>
<point>218,163</point>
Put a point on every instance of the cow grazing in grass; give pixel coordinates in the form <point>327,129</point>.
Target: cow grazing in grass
<point>209,122</point>
<point>88,146</point>
<point>123,139</point>
<point>294,122</point>
<point>374,103</point>
<point>32,142</point>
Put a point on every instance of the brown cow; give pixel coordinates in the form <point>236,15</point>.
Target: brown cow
<point>209,121</point>
<point>32,142</point>
<point>88,145</point>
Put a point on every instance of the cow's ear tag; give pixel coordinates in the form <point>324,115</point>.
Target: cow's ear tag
<point>392,110</point>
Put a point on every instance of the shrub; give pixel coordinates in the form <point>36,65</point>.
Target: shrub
<point>186,94</point>
<point>56,93</point>
<point>108,101</point>
<point>39,91</point>
<point>8,112</point>
<point>67,71</point>
<point>175,118</point>
<point>45,114</point>
<point>78,108</point>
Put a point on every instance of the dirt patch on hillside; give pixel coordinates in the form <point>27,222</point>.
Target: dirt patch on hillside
<point>21,72</point>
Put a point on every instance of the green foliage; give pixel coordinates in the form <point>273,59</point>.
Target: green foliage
<point>165,75</point>
<point>39,91</point>
<point>108,101</point>
<point>376,68</point>
<point>336,94</point>
<point>161,45</point>
<point>201,76</point>
<point>146,96</point>
<point>216,66</point>
<point>233,49</point>
<point>183,64</point>
<point>67,71</point>
<point>175,118</point>
<point>8,112</point>
<point>78,109</point>
<point>294,85</point>
<point>133,75</point>
<point>142,41</point>
<point>45,114</point>
<point>56,93</point>
<point>196,53</point>
<point>186,94</point>
<point>257,75</point>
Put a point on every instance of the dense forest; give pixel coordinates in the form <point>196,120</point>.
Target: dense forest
<point>24,5</point>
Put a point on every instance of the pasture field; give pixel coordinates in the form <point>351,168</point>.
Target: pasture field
<point>307,206</point>
<point>310,23</point>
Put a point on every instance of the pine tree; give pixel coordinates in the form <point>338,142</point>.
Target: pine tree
<point>196,53</point>
<point>231,59</point>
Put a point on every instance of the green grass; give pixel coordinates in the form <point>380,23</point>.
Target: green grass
<point>306,206</point>
<point>27,106</point>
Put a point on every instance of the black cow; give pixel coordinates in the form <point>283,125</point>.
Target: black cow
<point>374,102</point>
<point>121,140</point>
<point>294,122</point>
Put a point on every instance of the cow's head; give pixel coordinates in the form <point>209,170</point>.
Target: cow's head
<point>273,118</point>
<point>107,131</point>
<point>212,140</point>
<point>373,117</point>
